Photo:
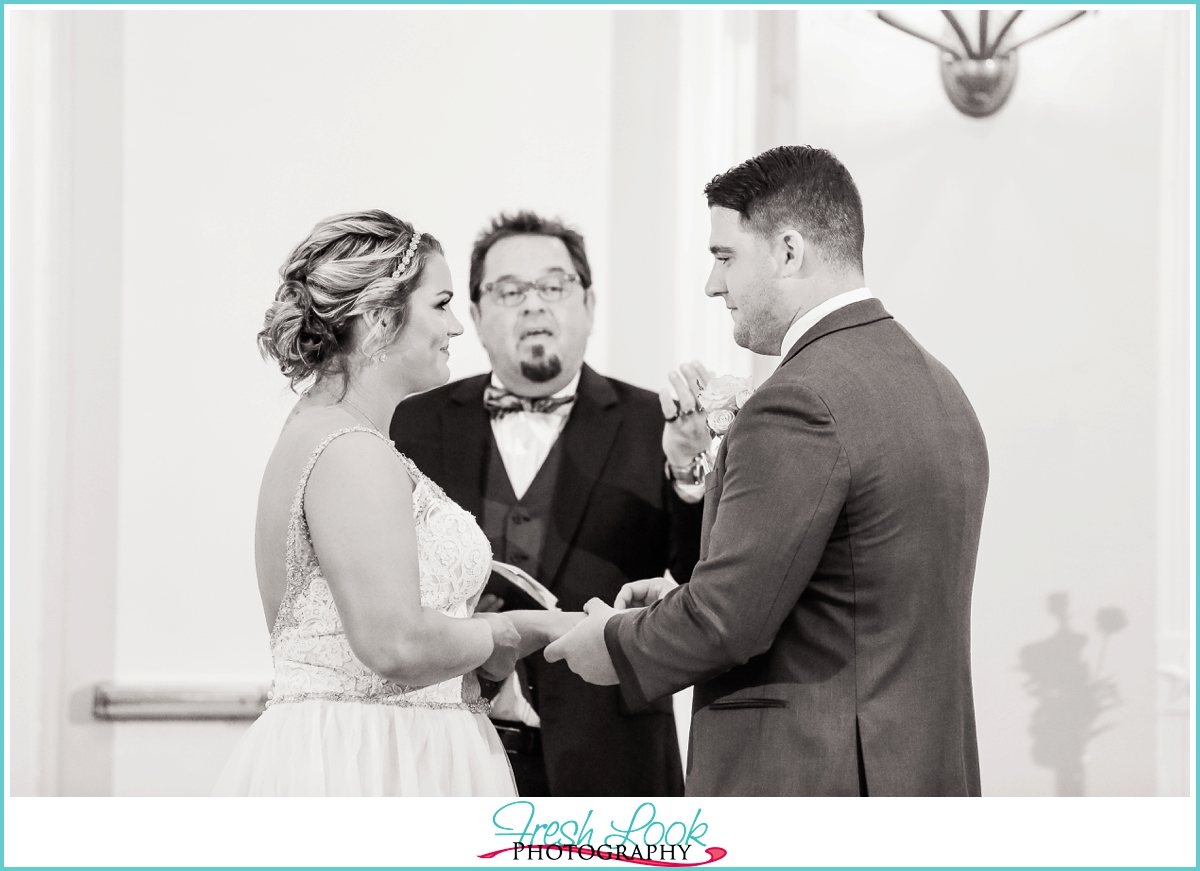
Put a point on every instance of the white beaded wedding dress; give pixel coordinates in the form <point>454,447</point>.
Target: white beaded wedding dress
<point>333,726</point>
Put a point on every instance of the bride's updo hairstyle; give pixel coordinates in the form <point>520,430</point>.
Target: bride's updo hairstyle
<point>349,265</point>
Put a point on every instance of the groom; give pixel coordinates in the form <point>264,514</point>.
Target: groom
<point>826,627</point>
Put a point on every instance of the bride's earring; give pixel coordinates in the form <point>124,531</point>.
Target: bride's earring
<point>381,357</point>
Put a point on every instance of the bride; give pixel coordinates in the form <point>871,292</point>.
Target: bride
<point>368,572</point>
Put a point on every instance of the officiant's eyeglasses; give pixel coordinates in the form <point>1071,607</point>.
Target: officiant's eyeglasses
<point>552,288</point>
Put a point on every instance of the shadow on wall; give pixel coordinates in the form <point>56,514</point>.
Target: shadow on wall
<point>1071,694</point>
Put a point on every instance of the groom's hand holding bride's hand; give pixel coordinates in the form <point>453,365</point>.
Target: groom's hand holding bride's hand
<point>584,649</point>
<point>539,628</point>
<point>641,594</point>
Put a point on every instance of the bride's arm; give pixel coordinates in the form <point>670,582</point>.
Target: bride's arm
<point>360,516</point>
<point>539,628</point>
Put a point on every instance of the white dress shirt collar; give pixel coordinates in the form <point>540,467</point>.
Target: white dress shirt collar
<point>525,438</point>
<point>810,318</point>
<point>569,390</point>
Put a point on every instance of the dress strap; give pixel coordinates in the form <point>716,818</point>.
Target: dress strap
<point>300,558</point>
<point>298,501</point>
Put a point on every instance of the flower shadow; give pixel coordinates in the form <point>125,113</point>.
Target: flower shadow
<point>1071,694</point>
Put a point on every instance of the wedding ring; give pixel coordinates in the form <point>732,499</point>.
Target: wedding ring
<point>672,418</point>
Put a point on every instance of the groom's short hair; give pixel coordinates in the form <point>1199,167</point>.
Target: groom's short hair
<point>526,223</point>
<point>799,185</point>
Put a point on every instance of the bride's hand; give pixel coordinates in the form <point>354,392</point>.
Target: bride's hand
<point>506,642</point>
<point>539,628</point>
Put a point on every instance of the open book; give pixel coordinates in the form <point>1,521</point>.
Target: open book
<point>519,589</point>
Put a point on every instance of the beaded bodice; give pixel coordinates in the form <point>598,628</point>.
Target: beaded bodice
<point>312,656</point>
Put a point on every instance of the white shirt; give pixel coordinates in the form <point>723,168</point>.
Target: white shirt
<point>810,318</point>
<point>524,438</point>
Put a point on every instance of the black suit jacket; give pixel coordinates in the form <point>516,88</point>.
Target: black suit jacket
<point>615,519</point>
<point>829,616</point>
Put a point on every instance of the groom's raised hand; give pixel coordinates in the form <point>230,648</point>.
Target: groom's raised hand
<point>584,649</point>
<point>685,432</point>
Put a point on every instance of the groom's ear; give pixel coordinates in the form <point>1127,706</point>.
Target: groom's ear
<point>790,246</point>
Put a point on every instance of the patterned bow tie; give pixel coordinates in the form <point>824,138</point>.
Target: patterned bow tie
<point>500,402</point>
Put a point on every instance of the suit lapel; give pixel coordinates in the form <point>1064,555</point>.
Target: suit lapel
<point>714,485</point>
<point>856,314</point>
<point>465,432</point>
<point>587,440</point>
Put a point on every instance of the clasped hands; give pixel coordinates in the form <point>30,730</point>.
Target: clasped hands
<point>576,636</point>
<point>583,646</point>
<point>516,634</point>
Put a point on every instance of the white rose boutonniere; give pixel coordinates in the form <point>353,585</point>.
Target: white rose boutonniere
<point>721,400</point>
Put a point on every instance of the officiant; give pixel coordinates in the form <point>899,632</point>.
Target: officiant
<point>578,480</point>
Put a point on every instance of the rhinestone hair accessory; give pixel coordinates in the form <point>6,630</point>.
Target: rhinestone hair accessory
<point>408,255</point>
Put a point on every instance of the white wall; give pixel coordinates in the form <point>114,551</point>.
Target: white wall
<point>63,287</point>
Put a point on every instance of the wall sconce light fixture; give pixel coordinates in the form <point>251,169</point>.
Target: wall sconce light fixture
<point>979,76</point>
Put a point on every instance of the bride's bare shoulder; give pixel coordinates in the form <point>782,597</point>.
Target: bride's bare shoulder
<point>300,437</point>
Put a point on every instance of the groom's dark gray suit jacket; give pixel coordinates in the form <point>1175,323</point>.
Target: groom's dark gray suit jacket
<point>827,625</point>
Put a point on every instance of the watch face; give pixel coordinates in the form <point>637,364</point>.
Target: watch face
<point>693,474</point>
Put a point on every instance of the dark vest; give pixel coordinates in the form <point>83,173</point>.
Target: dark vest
<point>516,527</point>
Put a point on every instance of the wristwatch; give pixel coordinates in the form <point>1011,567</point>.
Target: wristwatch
<point>693,473</point>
